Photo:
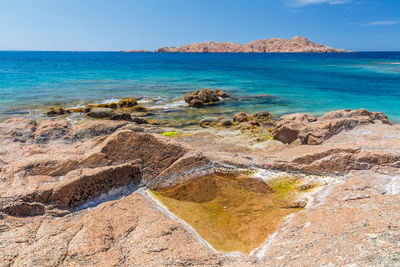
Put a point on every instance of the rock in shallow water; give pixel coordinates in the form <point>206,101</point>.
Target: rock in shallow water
<point>204,96</point>
<point>100,113</point>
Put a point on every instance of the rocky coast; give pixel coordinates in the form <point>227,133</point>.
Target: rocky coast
<point>297,44</point>
<point>116,188</point>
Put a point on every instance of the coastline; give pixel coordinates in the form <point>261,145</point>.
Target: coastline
<point>305,83</point>
<point>59,161</point>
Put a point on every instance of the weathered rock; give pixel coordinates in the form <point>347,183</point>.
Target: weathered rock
<point>52,130</point>
<point>126,146</point>
<point>196,103</point>
<point>100,113</point>
<point>240,117</point>
<point>22,209</point>
<point>262,114</point>
<point>215,121</point>
<point>127,103</point>
<point>295,45</point>
<point>225,122</point>
<point>204,96</point>
<point>132,231</point>
<point>221,93</point>
<point>209,121</point>
<point>88,107</point>
<point>57,111</point>
<point>80,186</point>
<point>96,128</point>
<point>111,105</point>
<point>139,120</point>
<point>121,117</point>
<point>18,129</point>
<point>312,130</point>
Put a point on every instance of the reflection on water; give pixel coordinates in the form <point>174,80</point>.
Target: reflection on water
<point>232,213</point>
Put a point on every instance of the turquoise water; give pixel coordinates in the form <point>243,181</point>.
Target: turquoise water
<point>314,83</point>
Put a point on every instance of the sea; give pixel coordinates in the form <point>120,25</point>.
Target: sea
<point>279,83</point>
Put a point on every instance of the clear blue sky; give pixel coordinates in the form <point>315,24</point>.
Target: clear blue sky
<point>149,24</point>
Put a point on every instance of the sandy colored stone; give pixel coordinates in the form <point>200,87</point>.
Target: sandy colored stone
<point>354,222</point>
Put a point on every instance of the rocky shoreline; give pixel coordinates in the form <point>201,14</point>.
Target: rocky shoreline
<point>77,193</point>
<point>297,44</point>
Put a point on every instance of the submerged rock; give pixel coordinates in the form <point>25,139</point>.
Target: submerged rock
<point>57,111</point>
<point>139,120</point>
<point>101,113</point>
<point>121,117</point>
<point>216,121</point>
<point>240,117</point>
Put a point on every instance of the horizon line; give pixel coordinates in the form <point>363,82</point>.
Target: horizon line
<point>153,51</point>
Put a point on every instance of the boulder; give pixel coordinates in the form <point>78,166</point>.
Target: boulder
<point>196,103</point>
<point>100,113</point>
<point>262,114</point>
<point>127,103</point>
<point>204,96</point>
<point>156,155</point>
<point>121,117</point>
<point>209,121</point>
<point>80,186</point>
<point>139,120</point>
<point>225,122</point>
<point>215,121</point>
<point>57,111</point>
<point>221,93</point>
<point>240,117</point>
<point>311,130</point>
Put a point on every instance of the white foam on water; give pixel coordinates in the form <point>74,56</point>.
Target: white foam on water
<point>171,105</point>
<point>107,101</point>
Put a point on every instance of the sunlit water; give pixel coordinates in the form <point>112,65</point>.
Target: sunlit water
<point>317,83</point>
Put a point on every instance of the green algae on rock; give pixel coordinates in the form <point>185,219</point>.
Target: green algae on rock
<point>231,212</point>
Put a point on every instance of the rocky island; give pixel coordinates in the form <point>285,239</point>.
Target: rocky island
<point>246,190</point>
<point>297,44</point>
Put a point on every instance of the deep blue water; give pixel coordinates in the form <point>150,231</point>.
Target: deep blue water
<point>313,83</point>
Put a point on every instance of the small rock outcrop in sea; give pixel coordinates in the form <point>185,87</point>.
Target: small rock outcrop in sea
<point>123,110</point>
<point>311,130</point>
<point>297,44</point>
<point>57,111</point>
<point>204,96</point>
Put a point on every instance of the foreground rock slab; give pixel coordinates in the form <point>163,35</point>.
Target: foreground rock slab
<point>66,199</point>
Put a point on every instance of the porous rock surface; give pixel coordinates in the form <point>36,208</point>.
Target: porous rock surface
<point>204,96</point>
<point>55,178</point>
<point>311,130</point>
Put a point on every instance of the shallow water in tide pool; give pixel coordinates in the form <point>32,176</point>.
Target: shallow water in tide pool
<point>232,213</point>
<point>314,83</point>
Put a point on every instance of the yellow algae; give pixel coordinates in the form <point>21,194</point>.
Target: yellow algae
<point>174,134</point>
<point>231,212</point>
